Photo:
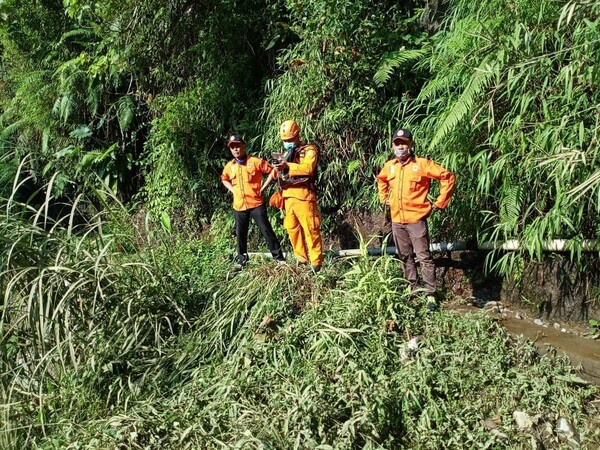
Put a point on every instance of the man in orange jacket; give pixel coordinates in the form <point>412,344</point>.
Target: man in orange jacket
<point>295,175</point>
<point>242,176</point>
<point>403,184</point>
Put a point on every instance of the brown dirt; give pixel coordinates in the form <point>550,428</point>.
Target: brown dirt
<point>371,227</point>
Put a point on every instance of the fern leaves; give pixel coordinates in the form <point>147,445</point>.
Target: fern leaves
<point>467,101</point>
<point>125,112</point>
<point>394,60</point>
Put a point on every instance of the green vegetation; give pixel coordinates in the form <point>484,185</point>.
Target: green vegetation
<point>119,324</point>
<point>141,97</point>
<point>114,337</point>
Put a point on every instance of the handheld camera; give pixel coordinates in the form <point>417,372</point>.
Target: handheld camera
<point>276,158</point>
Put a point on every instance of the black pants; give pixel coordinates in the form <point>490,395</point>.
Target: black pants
<point>242,222</point>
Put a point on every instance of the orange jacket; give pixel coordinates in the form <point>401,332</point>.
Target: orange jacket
<point>406,187</point>
<point>246,179</point>
<point>304,165</point>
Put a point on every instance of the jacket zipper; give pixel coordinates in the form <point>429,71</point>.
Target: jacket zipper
<point>241,175</point>
<point>400,188</point>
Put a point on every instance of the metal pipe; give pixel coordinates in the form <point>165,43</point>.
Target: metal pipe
<point>378,251</point>
<point>556,245</point>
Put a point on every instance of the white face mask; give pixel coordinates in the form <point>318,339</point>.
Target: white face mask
<point>402,154</point>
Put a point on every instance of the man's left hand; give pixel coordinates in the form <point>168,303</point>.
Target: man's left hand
<point>435,208</point>
<point>281,166</point>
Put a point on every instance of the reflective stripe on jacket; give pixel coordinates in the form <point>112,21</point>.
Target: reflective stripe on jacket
<point>406,186</point>
<point>246,179</point>
<point>303,165</point>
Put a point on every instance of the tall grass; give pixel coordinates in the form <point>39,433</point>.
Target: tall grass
<point>90,299</point>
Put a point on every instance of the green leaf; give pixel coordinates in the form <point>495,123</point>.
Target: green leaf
<point>125,112</point>
<point>271,44</point>
<point>352,166</point>
<point>64,152</point>
<point>165,220</point>
<point>81,132</point>
<point>571,378</point>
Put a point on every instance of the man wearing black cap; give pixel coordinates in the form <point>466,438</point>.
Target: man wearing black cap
<point>403,184</point>
<point>242,176</point>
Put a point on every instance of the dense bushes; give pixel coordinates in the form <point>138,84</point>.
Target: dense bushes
<point>141,97</point>
<point>513,107</point>
<point>113,337</point>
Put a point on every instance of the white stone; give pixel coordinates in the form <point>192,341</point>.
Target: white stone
<point>564,427</point>
<point>523,420</point>
<point>566,432</point>
<point>413,344</point>
<point>499,434</point>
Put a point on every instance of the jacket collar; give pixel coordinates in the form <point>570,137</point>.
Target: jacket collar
<point>411,158</point>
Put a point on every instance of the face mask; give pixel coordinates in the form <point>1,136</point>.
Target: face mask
<point>289,146</point>
<point>402,154</point>
<point>240,160</point>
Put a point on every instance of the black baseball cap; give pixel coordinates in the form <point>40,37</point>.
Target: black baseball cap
<point>402,134</point>
<point>234,138</point>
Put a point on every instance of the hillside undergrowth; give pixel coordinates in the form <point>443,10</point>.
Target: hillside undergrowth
<point>116,336</point>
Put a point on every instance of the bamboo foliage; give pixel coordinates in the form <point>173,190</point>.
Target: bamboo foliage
<point>523,128</point>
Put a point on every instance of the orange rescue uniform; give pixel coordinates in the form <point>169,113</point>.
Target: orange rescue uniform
<point>302,220</point>
<point>406,187</point>
<point>246,179</point>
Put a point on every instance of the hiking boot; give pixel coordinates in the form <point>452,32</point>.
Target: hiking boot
<point>431,303</point>
<point>315,269</point>
<point>241,262</point>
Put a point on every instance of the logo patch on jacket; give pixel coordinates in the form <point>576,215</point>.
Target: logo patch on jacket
<point>415,168</point>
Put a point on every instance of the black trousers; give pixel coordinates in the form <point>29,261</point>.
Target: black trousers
<point>242,222</point>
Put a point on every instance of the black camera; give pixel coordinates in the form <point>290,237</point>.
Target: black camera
<point>276,158</point>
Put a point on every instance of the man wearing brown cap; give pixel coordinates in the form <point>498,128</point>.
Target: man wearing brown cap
<point>403,184</point>
<point>242,176</point>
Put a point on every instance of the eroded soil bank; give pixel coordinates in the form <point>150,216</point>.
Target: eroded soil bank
<point>555,288</point>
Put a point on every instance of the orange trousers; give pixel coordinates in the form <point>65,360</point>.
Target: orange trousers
<point>302,222</point>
